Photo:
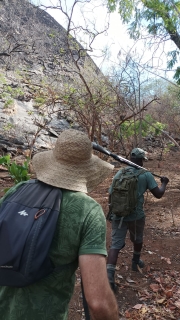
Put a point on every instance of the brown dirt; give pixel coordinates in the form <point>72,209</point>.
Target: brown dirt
<point>154,293</point>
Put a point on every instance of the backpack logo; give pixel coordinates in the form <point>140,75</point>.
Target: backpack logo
<point>23,213</point>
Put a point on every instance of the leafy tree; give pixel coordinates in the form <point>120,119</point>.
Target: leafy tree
<point>161,18</point>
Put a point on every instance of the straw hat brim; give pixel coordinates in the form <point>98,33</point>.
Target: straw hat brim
<point>84,176</point>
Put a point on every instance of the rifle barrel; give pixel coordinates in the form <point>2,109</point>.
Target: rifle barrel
<point>119,158</point>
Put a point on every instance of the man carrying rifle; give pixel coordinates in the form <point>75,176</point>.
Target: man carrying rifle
<point>135,221</point>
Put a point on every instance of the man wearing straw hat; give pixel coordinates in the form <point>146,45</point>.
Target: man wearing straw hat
<point>80,236</point>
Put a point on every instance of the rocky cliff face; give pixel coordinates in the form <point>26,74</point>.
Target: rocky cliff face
<point>33,51</point>
<point>29,36</point>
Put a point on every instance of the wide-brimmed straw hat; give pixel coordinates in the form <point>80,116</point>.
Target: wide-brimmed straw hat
<point>71,164</point>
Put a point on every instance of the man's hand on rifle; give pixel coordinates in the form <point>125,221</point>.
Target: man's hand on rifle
<point>164,180</point>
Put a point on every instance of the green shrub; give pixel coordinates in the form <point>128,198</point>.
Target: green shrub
<point>129,127</point>
<point>8,102</point>
<point>39,100</point>
<point>8,126</point>
<point>17,172</point>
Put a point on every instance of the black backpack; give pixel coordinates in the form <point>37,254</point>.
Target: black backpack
<point>27,224</point>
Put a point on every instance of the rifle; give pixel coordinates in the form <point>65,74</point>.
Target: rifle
<point>119,158</point>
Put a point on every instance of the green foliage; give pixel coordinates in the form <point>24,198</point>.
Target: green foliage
<point>155,15</point>
<point>51,35</point>
<point>8,126</point>
<point>112,5</point>
<point>9,94</point>
<point>2,79</point>
<point>30,112</point>
<point>159,126</point>
<point>158,17</point>
<point>17,173</point>
<point>17,92</point>
<point>177,75</point>
<point>9,89</point>
<point>126,10</point>
<point>39,100</point>
<point>128,128</point>
<point>8,103</point>
<point>173,58</point>
<point>62,51</point>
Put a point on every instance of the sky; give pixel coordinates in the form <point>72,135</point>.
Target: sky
<point>114,41</point>
<point>116,36</point>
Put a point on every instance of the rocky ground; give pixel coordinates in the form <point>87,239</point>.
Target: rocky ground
<point>154,293</point>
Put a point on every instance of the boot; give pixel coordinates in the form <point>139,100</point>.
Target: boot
<point>140,263</point>
<point>113,287</point>
<point>111,274</point>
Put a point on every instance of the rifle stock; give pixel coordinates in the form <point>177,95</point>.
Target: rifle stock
<point>99,148</point>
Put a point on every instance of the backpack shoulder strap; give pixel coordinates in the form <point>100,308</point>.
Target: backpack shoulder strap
<point>36,193</point>
<point>32,181</point>
<point>140,171</point>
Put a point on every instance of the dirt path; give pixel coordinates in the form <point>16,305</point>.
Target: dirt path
<point>155,293</point>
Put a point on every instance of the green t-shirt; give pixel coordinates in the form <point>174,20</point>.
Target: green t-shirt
<point>81,229</point>
<point>145,181</point>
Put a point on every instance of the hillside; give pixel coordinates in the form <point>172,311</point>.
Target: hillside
<point>31,38</point>
<point>36,60</point>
